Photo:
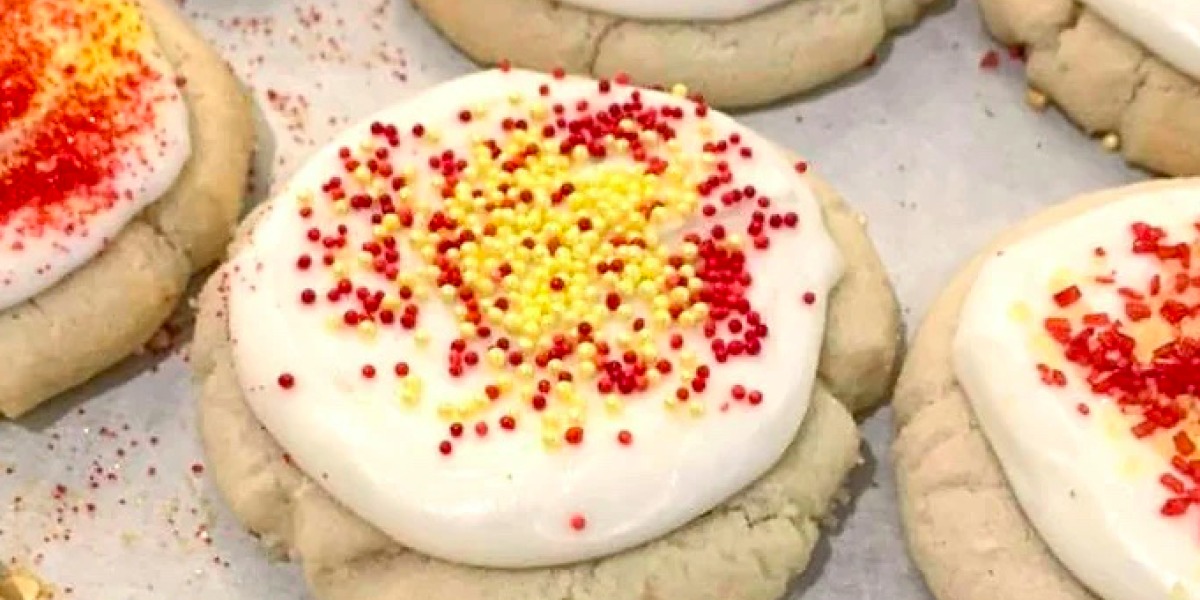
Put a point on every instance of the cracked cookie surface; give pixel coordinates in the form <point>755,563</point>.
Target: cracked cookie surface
<point>1104,81</point>
<point>748,548</point>
<point>781,51</point>
<point>110,307</point>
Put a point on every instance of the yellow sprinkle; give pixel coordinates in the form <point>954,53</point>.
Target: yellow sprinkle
<point>612,403</point>
<point>587,370</point>
<point>504,381</point>
<point>679,90</point>
<point>341,207</point>
<point>367,329</point>
<point>1111,142</point>
<point>1036,100</point>
<point>421,337</point>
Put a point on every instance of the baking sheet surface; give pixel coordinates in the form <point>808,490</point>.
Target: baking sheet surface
<point>104,492</point>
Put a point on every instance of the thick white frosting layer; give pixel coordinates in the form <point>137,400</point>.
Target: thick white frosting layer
<point>678,10</point>
<point>1169,28</point>
<point>507,502</point>
<point>1089,486</point>
<point>151,159</point>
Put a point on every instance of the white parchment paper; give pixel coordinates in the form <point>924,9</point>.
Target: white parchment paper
<point>104,491</point>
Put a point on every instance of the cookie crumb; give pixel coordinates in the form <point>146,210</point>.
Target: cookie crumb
<point>19,583</point>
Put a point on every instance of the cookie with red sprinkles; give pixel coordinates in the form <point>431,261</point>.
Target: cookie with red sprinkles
<point>126,146</point>
<point>1047,415</point>
<point>1126,72</point>
<point>735,53</point>
<point>553,295</point>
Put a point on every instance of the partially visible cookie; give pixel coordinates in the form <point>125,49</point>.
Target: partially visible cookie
<point>1045,483</point>
<point>593,207</point>
<point>736,57</point>
<point>1106,79</point>
<point>101,308</point>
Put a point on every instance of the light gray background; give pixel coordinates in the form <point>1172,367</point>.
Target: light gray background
<point>938,153</point>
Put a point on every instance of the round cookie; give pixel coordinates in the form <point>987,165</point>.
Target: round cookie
<point>752,544</point>
<point>107,308</point>
<point>1105,81</point>
<point>966,530</point>
<point>782,50</point>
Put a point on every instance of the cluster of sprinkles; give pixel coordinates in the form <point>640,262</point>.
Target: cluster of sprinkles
<point>551,237</point>
<point>73,92</point>
<point>1145,358</point>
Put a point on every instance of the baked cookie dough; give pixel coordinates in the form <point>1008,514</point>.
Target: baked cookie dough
<point>123,160</point>
<point>703,480</point>
<point>1124,70</point>
<point>733,52</point>
<point>1058,476</point>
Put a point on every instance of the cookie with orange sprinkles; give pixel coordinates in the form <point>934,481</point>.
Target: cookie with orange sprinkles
<point>736,53</point>
<point>1047,414</point>
<point>536,336</point>
<point>124,150</point>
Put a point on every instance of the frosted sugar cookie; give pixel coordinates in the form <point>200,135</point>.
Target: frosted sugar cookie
<point>1047,413</point>
<point>1127,71</point>
<point>528,336</point>
<point>736,53</point>
<point>124,147</point>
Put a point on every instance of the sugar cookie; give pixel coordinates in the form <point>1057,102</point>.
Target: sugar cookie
<point>124,149</point>
<point>606,328</point>
<point>1045,415</point>
<point>735,53</point>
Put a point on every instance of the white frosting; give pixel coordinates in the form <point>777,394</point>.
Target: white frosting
<point>506,502</point>
<point>152,159</point>
<point>1169,28</point>
<point>1089,486</point>
<point>677,10</point>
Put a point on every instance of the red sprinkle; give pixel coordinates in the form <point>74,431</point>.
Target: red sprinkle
<point>578,522</point>
<point>990,60</point>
